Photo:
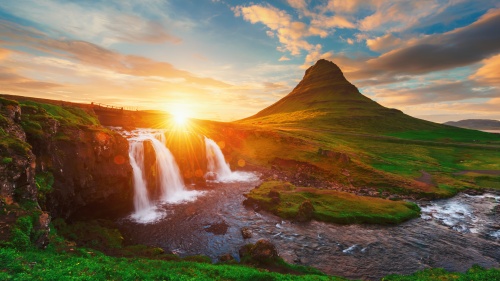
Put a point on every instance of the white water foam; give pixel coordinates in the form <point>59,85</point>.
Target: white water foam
<point>462,215</point>
<point>169,180</point>
<point>218,169</point>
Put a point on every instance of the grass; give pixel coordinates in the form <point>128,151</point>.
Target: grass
<point>44,182</point>
<point>331,206</point>
<point>475,273</point>
<point>65,114</point>
<point>64,258</point>
<point>92,265</point>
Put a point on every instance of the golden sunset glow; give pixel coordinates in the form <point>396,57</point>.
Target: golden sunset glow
<point>180,118</point>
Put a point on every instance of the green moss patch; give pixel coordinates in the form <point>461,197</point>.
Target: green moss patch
<point>289,201</point>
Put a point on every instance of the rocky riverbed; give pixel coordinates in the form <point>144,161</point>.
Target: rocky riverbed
<point>454,233</point>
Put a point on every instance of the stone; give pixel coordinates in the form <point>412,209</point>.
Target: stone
<point>261,252</point>
<point>246,233</point>
<point>306,211</point>
<point>226,258</point>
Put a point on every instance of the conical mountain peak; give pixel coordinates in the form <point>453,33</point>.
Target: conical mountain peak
<point>323,87</point>
<point>324,66</point>
<point>325,99</point>
<point>324,73</point>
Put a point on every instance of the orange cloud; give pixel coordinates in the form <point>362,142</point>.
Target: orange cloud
<point>383,43</point>
<point>489,73</point>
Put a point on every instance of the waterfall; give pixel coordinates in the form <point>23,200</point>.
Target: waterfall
<point>217,167</point>
<point>216,163</point>
<point>141,198</point>
<point>168,178</point>
<point>145,210</point>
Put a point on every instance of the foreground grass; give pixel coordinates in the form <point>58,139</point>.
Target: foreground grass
<point>84,264</point>
<point>288,201</point>
<point>476,273</point>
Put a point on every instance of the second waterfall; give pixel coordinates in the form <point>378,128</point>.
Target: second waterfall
<point>168,181</point>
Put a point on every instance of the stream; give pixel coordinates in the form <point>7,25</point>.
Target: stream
<point>454,234</point>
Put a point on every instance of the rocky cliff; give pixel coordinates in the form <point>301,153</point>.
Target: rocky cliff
<point>63,159</point>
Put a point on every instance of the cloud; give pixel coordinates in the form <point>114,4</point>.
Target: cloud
<point>460,47</point>
<point>271,85</point>
<point>284,58</point>
<point>327,22</point>
<point>401,15</point>
<point>93,55</point>
<point>315,55</point>
<point>383,43</point>
<point>348,6</point>
<point>99,22</point>
<point>12,81</point>
<point>435,92</point>
<point>290,33</point>
<point>489,72</point>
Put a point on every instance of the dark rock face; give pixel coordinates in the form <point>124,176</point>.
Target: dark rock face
<point>91,171</point>
<point>89,164</point>
<point>17,162</point>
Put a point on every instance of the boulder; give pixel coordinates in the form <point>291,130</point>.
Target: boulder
<point>306,211</point>
<point>261,252</point>
<point>246,233</point>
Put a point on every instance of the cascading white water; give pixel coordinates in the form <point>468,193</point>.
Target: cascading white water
<point>216,163</point>
<point>136,155</point>
<point>168,177</point>
<point>217,167</point>
<point>145,210</point>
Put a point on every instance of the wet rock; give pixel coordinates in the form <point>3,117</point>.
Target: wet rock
<point>261,252</point>
<point>306,211</point>
<point>246,233</point>
<point>226,258</point>
<point>473,192</point>
<point>217,228</point>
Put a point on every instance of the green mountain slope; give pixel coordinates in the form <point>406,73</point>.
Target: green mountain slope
<point>324,99</point>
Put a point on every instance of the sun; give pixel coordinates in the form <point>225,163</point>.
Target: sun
<point>180,118</point>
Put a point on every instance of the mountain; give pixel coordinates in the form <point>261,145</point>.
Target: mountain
<point>476,124</point>
<point>325,99</point>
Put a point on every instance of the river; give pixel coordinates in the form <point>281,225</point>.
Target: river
<point>454,234</point>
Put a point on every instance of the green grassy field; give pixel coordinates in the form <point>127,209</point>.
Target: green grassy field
<point>286,200</point>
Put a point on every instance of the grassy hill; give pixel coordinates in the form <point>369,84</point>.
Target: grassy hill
<point>325,100</point>
<point>389,152</point>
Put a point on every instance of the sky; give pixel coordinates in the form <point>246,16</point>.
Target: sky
<point>225,60</point>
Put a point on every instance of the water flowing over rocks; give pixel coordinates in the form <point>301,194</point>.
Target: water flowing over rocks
<point>354,251</point>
